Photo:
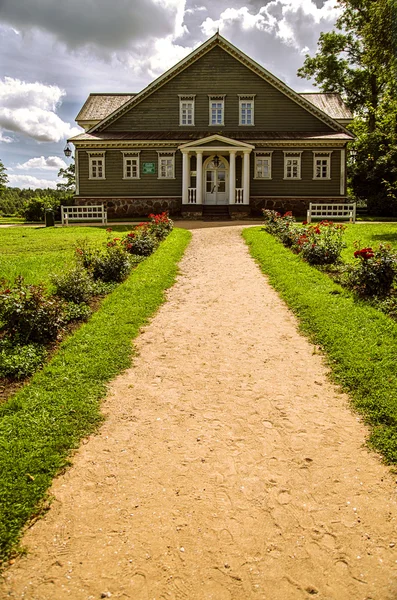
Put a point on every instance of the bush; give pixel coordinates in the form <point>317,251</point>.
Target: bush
<point>321,244</point>
<point>27,313</point>
<point>34,208</point>
<point>160,225</point>
<point>141,240</point>
<point>374,274</point>
<point>76,312</point>
<point>102,288</point>
<point>112,264</point>
<point>18,362</point>
<point>74,285</point>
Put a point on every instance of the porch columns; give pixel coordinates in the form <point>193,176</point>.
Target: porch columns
<point>246,175</point>
<point>199,177</point>
<point>232,177</point>
<point>185,176</point>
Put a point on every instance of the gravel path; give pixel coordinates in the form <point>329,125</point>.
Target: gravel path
<point>228,468</point>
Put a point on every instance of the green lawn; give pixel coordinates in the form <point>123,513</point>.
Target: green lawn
<point>359,341</point>
<point>36,252</point>
<point>369,234</point>
<point>48,417</point>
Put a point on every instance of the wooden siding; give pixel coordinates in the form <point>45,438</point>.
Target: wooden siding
<point>217,72</point>
<point>115,185</point>
<point>278,186</point>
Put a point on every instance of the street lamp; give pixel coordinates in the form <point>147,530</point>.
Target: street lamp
<point>67,150</point>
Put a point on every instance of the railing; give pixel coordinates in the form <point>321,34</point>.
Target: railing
<point>239,195</point>
<point>191,198</point>
<point>84,213</point>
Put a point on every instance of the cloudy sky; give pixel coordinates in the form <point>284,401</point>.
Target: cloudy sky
<point>53,54</point>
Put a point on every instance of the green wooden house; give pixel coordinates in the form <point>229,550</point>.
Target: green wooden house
<point>216,133</point>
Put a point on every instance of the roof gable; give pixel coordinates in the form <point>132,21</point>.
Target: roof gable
<point>215,141</point>
<point>219,41</point>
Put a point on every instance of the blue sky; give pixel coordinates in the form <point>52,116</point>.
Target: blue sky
<point>55,54</point>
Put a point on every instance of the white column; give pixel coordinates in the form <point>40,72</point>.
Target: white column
<point>185,177</point>
<point>199,177</point>
<point>342,172</point>
<point>246,181</point>
<point>232,177</point>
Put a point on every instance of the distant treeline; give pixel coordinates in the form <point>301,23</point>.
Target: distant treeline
<point>15,201</point>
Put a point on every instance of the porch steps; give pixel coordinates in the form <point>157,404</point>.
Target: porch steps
<point>216,212</point>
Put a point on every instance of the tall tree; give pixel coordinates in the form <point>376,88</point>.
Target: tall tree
<point>3,177</point>
<point>69,175</point>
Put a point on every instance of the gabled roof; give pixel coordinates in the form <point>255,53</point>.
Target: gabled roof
<point>99,106</point>
<point>223,141</point>
<point>330,103</point>
<point>218,40</point>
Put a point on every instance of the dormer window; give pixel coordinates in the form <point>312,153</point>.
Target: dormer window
<point>186,110</point>
<point>217,110</point>
<point>246,109</point>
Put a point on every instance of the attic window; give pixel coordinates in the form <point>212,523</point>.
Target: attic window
<point>186,110</point>
<point>246,109</point>
<point>217,109</point>
<point>96,165</point>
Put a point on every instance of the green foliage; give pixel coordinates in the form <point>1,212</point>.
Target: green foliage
<point>375,272</point>
<point>49,417</point>
<point>13,199</point>
<point>160,225</point>
<point>76,312</point>
<point>359,341</point>
<point>34,209</point>
<point>20,361</point>
<point>3,177</point>
<point>321,244</point>
<point>69,175</point>
<point>28,314</point>
<point>75,285</point>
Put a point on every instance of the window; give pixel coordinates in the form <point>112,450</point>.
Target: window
<point>263,165</point>
<point>322,165</point>
<point>130,165</point>
<point>96,165</point>
<point>186,110</point>
<point>292,165</point>
<point>166,165</point>
<point>217,110</point>
<point>246,104</point>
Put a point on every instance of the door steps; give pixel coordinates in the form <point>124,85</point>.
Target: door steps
<point>216,212</point>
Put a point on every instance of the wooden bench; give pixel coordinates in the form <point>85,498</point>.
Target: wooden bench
<point>84,213</point>
<point>332,211</point>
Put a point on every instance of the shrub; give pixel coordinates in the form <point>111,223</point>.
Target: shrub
<point>18,362</point>
<point>102,288</point>
<point>160,225</point>
<point>375,272</point>
<point>76,312</point>
<point>112,264</point>
<point>321,244</point>
<point>27,313</point>
<point>140,241</point>
<point>74,286</point>
<point>34,208</point>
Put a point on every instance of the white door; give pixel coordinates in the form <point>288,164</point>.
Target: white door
<point>215,183</point>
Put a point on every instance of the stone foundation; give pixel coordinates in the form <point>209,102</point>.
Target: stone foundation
<point>298,206</point>
<point>134,207</point>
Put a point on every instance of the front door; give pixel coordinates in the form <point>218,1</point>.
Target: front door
<point>215,182</point>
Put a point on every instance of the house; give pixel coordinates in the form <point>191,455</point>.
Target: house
<point>216,133</point>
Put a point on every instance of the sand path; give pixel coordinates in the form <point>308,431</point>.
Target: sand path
<point>228,468</point>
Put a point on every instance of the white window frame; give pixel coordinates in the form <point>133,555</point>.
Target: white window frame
<point>244,99</point>
<point>165,156</point>
<point>93,157</point>
<point>186,99</point>
<point>219,99</point>
<point>263,156</point>
<point>291,156</point>
<point>322,156</point>
<point>133,156</point>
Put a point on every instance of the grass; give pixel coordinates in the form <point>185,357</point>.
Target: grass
<point>360,342</point>
<point>42,423</point>
<point>369,234</point>
<point>36,252</point>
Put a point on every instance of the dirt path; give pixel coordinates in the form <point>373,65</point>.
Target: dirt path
<point>228,467</point>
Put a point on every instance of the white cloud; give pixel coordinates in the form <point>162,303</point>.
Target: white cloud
<point>28,181</point>
<point>5,139</point>
<point>51,163</point>
<point>29,108</point>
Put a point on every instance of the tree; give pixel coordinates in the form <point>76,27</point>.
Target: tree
<point>69,174</point>
<point>3,177</point>
<point>359,61</point>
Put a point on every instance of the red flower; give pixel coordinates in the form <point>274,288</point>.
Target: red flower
<point>304,222</point>
<point>109,229</point>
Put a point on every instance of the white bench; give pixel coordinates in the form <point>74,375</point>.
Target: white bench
<point>332,211</point>
<point>84,213</point>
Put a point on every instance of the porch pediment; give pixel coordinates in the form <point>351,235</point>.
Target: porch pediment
<point>216,141</point>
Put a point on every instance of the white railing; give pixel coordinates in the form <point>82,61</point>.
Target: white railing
<point>191,198</point>
<point>84,213</point>
<point>239,195</point>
